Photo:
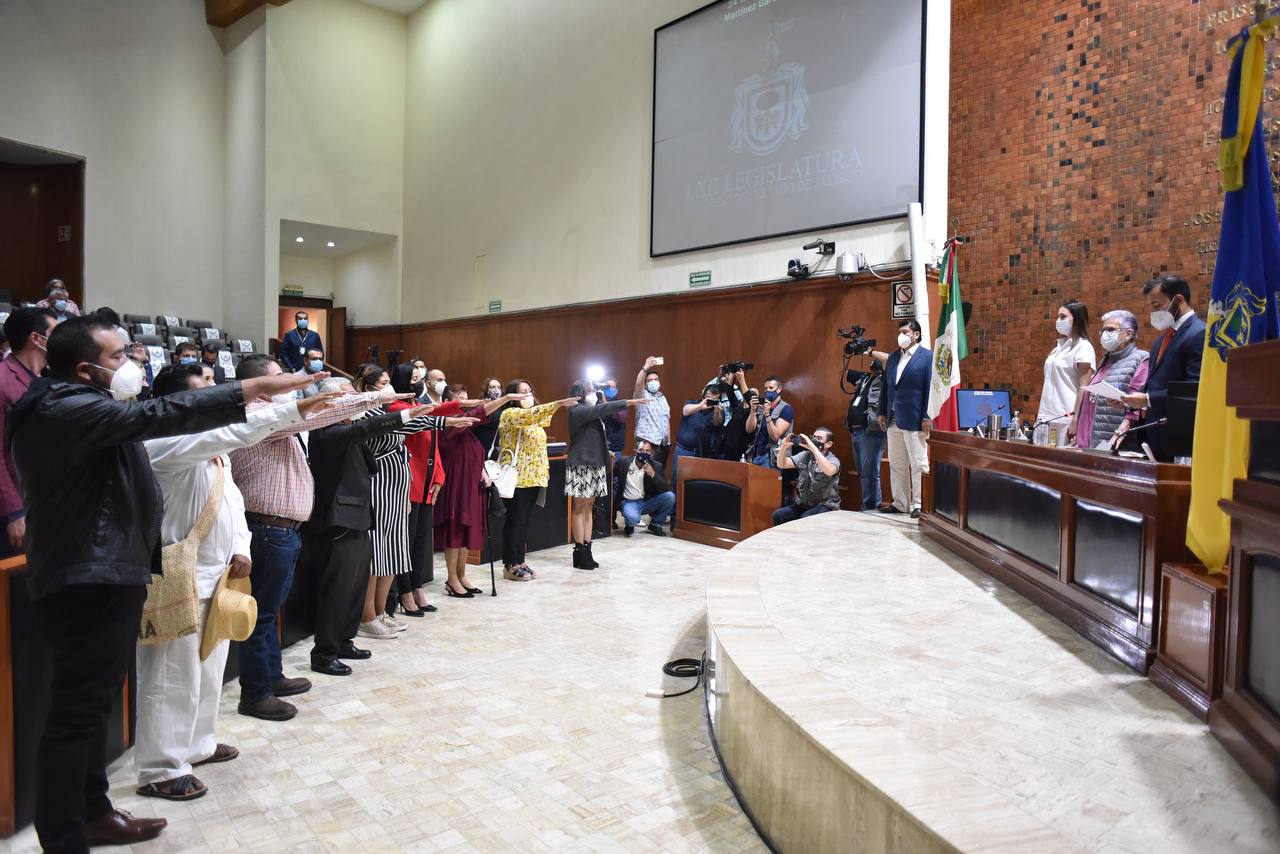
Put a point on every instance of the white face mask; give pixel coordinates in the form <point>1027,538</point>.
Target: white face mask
<point>590,399</point>
<point>905,341</point>
<point>1063,325</point>
<point>527,403</point>
<point>1111,340</point>
<point>438,387</point>
<point>653,386</point>
<point>1162,320</point>
<point>126,381</point>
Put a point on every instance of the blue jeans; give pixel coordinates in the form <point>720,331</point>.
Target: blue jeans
<point>658,509</point>
<point>680,451</point>
<point>868,449</point>
<point>274,552</point>
<point>790,513</point>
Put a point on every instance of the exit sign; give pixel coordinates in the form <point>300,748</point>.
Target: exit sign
<point>495,306</point>
<point>700,278</point>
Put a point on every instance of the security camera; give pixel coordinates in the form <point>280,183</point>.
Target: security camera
<point>797,270</point>
<point>849,265</point>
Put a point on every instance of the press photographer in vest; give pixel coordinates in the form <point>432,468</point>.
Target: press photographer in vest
<point>818,486</point>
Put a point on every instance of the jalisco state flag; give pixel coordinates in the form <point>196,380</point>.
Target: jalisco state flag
<point>950,345</point>
<point>1242,304</point>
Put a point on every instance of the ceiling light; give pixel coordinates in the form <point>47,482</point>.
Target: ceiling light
<point>298,239</point>
<point>595,373</point>
<point>330,244</point>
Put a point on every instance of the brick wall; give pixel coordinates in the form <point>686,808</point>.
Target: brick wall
<point>1083,157</point>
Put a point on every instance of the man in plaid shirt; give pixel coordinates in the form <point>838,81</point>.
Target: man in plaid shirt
<point>278,492</point>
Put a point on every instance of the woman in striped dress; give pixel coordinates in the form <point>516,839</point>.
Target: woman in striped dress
<point>390,497</point>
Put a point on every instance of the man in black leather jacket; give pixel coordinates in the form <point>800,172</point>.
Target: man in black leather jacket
<point>92,543</point>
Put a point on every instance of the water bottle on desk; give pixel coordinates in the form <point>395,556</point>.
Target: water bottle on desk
<point>1041,435</point>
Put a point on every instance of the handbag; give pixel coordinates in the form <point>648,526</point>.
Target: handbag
<point>172,609</point>
<point>504,475</point>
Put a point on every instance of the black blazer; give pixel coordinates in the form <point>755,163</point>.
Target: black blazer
<point>343,467</point>
<point>655,485</point>
<point>1180,362</point>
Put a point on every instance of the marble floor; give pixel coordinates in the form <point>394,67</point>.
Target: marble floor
<point>929,679</point>
<point>516,723</point>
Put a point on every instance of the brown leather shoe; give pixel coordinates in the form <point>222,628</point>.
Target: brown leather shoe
<point>291,687</point>
<point>268,709</point>
<point>120,828</point>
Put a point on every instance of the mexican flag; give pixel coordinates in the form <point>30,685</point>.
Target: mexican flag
<point>949,346</point>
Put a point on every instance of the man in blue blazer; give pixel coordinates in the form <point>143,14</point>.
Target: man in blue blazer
<point>1175,354</point>
<point>296,343</point>
<point>905,415</point>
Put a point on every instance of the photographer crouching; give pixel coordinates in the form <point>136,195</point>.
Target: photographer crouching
<point>818,486</point>
<point>642,491</point>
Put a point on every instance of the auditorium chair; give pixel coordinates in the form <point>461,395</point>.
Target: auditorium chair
<point>197,324</point>
<point>176,335</point>
<point>149,340</point>
<point>242,346</point>
<point>131,319</point>
<point>211,333</point>
<point>145,327</point>
<point>164,321</point>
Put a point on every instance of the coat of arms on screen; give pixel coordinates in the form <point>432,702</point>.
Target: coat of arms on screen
<point>769,108</point>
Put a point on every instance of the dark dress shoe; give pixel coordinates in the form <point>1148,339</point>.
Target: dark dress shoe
<point>269,709</point>
<point>354,653</point>
<point>888,508</point>
<point>656,530</point>
<point>408,613</point>
<point>628,531</point>
<point>476,590</point>
<point>915,514</point>
<point>291,687</point>
<point>120,828</point>
<point>332,667</point>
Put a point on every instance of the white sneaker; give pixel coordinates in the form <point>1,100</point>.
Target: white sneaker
<point>393,624</point>
<point>376,629</point>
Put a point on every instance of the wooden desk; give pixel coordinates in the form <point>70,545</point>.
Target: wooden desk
<point>721,503</point>
<point>24,700</point>
<point>1080,533</point>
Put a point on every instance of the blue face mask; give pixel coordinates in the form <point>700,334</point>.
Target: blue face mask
<point>315,366</point>
<point>186,360</point>
<point>610,392</point>
<point>771,395</point>
<point>59,305</point>
<point>302,324</point>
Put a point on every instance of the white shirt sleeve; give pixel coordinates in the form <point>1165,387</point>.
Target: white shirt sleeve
<point>179,452</point>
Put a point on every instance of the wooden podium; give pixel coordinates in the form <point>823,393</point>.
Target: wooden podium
<point>721,503</point>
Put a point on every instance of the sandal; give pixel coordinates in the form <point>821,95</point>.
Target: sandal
<point>185,788</point>
<point>222,753</point>
<point>515,573</point>
<point>528,569</point>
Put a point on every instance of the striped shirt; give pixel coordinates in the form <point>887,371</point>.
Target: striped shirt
<point>653,421</point>
<point>273,475</point>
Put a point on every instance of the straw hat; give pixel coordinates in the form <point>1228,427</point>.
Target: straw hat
<point>233,612</point>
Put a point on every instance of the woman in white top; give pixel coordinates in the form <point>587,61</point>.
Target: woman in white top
<point>1066,370</point>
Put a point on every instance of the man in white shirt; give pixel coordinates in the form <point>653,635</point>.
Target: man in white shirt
<point>178,694</point>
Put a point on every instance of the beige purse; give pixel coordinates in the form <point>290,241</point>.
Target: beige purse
<point>173,605</point>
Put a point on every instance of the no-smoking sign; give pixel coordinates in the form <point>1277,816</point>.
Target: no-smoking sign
<point>904,300</point>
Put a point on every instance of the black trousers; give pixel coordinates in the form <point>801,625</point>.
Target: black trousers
<point>515,536</point>
<point>92,633</point>
<point>342,560</point>
<point>420,554</point>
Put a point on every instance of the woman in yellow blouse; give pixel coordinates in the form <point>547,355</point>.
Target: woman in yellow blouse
<point>522,432</point>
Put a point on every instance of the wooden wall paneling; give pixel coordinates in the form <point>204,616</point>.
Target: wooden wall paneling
<point>785,328</point>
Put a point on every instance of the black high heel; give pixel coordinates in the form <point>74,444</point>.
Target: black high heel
<point>449,591</point>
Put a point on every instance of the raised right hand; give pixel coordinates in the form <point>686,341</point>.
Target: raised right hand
<point>568,401</point>
<point>461,422</point>
<point>267,387</point>
<point>422,409</point>
<point>317,402</point>
<point>387,394</point>
<point>650,362</point>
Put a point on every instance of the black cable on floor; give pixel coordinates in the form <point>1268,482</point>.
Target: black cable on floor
<point>684,668</point>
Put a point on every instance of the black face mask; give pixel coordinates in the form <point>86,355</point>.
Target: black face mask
<point>418,387</point>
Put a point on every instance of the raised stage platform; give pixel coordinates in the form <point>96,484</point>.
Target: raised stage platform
<point>870,691</point>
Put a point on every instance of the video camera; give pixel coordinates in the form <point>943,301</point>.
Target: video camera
<point>734,367</point>
<point>856,344</point>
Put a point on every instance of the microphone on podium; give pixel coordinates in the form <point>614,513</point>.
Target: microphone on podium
<point>1118,437</point>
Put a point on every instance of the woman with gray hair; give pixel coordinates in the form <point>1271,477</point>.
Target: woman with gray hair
<point>1125,367</point>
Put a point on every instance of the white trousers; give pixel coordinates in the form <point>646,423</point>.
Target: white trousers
<point>178,697</point>
<point>908,461</point>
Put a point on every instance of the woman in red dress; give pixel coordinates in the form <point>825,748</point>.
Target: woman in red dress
<point>461,504</point>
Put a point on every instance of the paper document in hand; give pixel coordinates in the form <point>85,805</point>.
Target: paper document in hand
<point>1105,389</point>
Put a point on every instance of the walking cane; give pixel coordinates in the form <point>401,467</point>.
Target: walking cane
<point>493,580</point>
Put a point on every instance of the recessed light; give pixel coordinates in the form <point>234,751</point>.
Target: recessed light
<point>298,239</point>
<point>330,244</point>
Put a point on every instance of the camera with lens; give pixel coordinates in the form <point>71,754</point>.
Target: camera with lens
<point>797,443</point>
<point>734,367</point>
<point>856,342</point>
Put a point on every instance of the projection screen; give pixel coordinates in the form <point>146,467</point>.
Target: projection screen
<point>775,117</point>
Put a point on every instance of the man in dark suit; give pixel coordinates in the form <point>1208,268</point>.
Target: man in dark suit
<point>904,415</point>
<point>209,356</point>
<point>337,535</point>
<point>642,490</point>
<point>1175,354</point>
<point>296,343</point>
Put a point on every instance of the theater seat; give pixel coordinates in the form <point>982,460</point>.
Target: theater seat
<point>131,319</point>
<point>197,324</point>
<point>166,320</point>
<point>242,346</point>
<point>149,340</point>
<point>210,333</point>
<point>145,327</point>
